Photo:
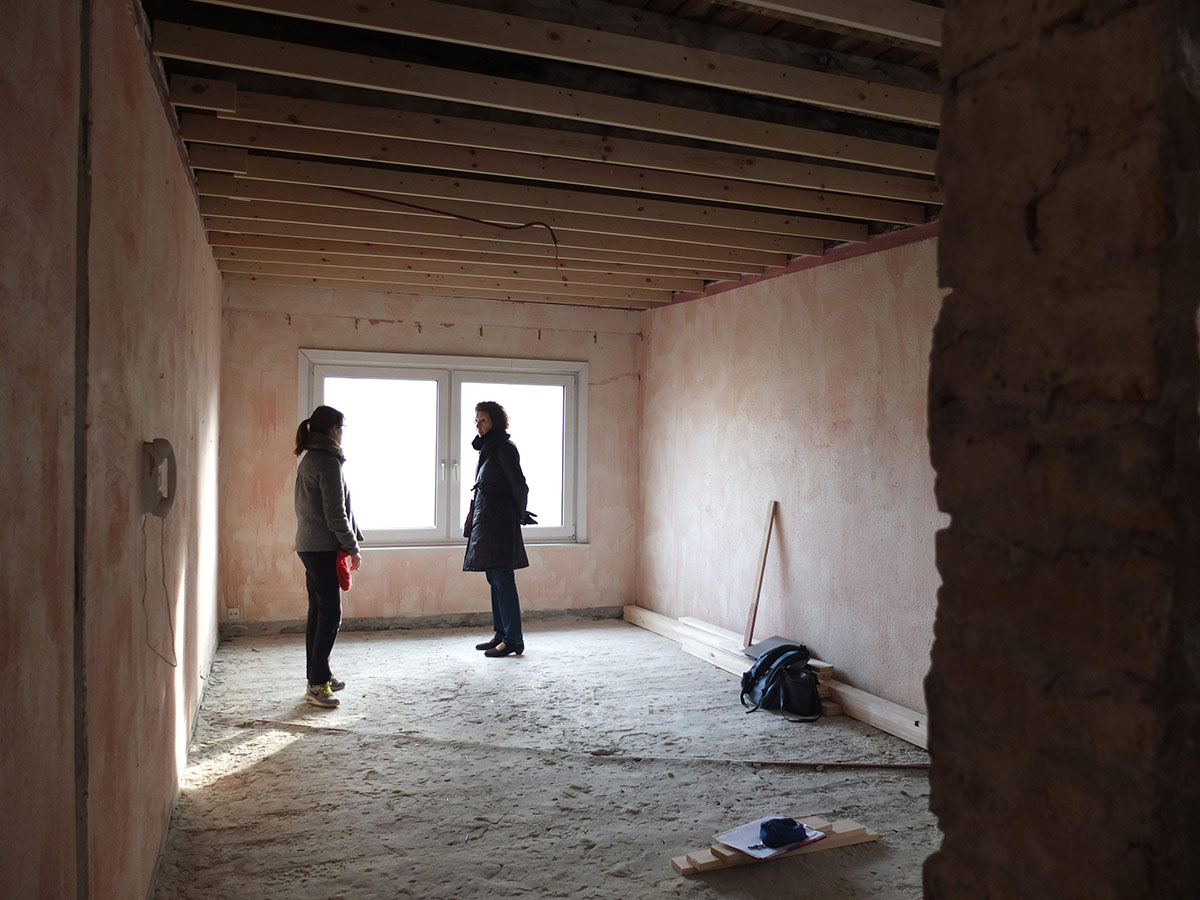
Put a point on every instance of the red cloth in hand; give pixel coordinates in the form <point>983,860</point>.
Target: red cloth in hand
<point>343,569</point>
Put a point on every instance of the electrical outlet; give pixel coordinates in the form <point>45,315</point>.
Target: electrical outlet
<point>234,613</point>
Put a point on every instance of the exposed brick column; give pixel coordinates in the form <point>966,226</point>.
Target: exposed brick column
<point>1064,431</point>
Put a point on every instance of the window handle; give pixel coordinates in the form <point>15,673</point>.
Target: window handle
<point>443,470</point>
<point>454,469</point>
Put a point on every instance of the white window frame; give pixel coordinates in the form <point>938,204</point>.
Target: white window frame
<point>456,474</point>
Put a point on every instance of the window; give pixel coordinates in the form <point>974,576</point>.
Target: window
<point>410,421</point>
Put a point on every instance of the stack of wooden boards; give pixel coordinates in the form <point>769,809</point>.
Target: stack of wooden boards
<point>841,833</point>
<point>723,648</point>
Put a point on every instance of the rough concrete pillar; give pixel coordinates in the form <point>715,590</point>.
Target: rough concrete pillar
<point>1064,431</point>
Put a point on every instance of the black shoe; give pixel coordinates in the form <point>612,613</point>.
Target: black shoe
<point>505,650</point>
<point>488,645</point>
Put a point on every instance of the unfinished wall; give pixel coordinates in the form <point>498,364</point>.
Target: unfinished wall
<point>154,372</point>
<point>264,329</point>
<point>39,81</point>
<point>808,389</point>
<point>1063,424</point>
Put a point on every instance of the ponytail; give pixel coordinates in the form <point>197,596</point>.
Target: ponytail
<point>302,435</point>
<point>322,421</point>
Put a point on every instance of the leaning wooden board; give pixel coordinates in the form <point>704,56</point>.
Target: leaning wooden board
<point>842,833</point>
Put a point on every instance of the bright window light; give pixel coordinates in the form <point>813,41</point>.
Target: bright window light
<point>390,444</point>
<point>535,423</point>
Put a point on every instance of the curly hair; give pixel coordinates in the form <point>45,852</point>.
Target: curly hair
<point>495,412</point>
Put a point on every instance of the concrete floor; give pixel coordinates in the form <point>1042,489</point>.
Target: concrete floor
<point>448,775</point>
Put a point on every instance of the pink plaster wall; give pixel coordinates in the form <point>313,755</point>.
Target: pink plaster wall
<point>808,389</point>
<point>154,372</point>
<point>264,329</point>
<point>39,79</point>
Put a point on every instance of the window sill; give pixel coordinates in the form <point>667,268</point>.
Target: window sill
<point>461,545</point>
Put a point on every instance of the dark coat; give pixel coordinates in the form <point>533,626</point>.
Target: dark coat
<point>493,528</point>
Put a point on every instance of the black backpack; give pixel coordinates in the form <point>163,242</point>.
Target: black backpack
<point>781,679</point>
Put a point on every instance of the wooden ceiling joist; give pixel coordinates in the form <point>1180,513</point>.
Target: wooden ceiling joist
<point>463,192</point>
<point>231,245</point>
<point>439,218</point>
<point>574,44</point>
<point>585,160</point>
<point>204,93</point>
<point>381,242</point>
<point>393,276</point>
<point>176,41</point>
<point>399,150</point>
<point>462,293</point>
<point>427,226</point>
<point>218,159</point>
<point>914,23</point>
<point>473,268</point>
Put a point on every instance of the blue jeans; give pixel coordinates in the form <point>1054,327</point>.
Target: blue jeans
<point>506,606</point>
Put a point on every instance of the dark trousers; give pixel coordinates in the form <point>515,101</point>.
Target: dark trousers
<point>324,610</point>
<point>506,605</point>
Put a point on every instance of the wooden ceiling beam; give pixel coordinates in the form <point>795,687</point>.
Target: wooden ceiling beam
<point>246,246</point>
<point>589,46</point>
<point>436,246</point>
<point>447,216</point>
<point>464,193</point>
<point>215,158</point>
<point>392,276</point>
<point>915,23</point>
<point>203,93</point>
<point>471,268</point>
<point>543,154</point>
<point>463,293</point>
<point>428,226</point>
<point>202,45</point>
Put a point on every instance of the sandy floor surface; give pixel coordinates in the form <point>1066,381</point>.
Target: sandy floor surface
<point>575,771</point>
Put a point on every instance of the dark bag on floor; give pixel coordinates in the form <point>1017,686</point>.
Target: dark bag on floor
<point>781,679</point>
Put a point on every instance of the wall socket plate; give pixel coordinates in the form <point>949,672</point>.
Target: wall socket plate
<point>234,613</point>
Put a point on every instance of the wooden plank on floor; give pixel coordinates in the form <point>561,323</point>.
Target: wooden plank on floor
<point>729,660</point>
<point>656,622</point>
<point>705,859</point>
<point>883,714</point>
<point>843,833</point>
<point>725,634</point>
<point>682,866</point>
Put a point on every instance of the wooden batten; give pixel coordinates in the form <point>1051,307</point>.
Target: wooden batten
<point>425,279</point>
<point>203,93</point>
<point>186,42</point>
<point>914,23</point>
<point>237,245</point>
<point>641,56</point>
<point>466,293</point>
<point>522,151</point>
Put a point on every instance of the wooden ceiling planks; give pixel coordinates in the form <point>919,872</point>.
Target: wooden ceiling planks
<point>343,162</point>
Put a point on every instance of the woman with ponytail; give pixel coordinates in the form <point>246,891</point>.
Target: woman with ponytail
<point>324,525</point>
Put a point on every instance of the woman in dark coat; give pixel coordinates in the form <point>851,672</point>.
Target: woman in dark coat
<point>493,526</point>
<point>324,525</point>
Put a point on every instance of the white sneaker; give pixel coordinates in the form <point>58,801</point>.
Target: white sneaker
<point>321,695</point>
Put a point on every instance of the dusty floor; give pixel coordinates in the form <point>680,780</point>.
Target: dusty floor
<point>448,775</point>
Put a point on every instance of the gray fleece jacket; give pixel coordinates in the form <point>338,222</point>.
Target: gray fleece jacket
<point>324,520</point>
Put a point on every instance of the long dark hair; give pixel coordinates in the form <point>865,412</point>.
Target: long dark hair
<point>322,421</point>
<point>495,412</point>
